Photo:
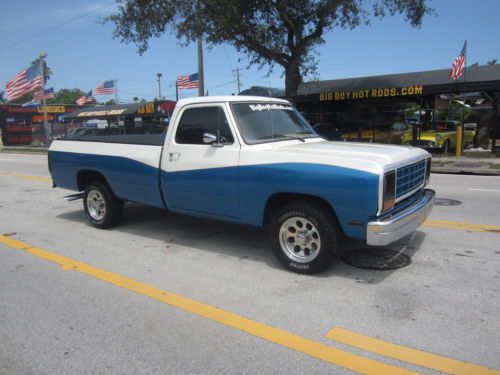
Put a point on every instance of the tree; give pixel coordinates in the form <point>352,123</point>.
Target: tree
<point>46,70</point>
<point>283,32</point>
<point>492,62</point>
<point>67,96</point>
<point>23,99</point>
<point>1,97</point>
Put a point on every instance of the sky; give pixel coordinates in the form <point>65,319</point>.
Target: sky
<point>83,53</point>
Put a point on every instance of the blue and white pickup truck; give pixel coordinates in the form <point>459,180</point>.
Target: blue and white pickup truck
<point>256,161</point>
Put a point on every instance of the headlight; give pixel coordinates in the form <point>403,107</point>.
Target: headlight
<point>438,137</point>
<point>389,191</point>
<point>427,171</point>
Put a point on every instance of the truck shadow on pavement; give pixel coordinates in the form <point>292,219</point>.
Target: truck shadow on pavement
<point>234,240</point>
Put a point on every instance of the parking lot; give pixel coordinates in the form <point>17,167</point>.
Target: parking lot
<point>166,294</point>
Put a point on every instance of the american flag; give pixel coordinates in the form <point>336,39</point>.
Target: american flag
<point>459,64</point>
<point>107,87</point>
<point>188,82</point>
<point>84,99</point>
<point>45,94</point>
<point>24,82</point>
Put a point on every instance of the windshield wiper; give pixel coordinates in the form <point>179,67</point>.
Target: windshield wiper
<point>283,136</point>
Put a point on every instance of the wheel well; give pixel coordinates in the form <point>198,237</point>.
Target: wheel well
<point>279,199</point>
<point>86,176</point>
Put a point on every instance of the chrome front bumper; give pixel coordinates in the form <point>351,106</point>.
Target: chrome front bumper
<point>390,228</point>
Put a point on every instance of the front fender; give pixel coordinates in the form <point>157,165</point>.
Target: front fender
<point>352,194</point>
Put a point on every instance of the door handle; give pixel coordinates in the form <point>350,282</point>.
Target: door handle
<point>174,156</point>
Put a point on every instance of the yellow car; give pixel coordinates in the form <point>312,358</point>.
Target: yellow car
<point>394,135</point>
<point>439,135</point>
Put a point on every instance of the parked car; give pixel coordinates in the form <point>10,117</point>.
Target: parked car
<point>393,134</point>
<point>440,135</point>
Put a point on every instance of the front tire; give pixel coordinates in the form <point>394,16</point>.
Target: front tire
<point>103,208</point>
<point>305,237</point>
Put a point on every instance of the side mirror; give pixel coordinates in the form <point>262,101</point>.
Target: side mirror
<point>211,139</point>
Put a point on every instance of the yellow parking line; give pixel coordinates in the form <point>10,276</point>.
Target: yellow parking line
<point>28,177</point>
<point>301,344</point>
<point>462,226</point>
<point>402,353</point>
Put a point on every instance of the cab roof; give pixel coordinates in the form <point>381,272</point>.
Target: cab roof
<point>229,98</point>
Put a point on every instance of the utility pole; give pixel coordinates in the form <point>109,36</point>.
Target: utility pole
<point>159,85</point>
<point>201,82</point>
<point>42,56</point>
<point>237,70</point>
<point>116,91</point>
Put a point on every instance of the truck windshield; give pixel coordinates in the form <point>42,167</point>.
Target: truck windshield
<point>270,122</point>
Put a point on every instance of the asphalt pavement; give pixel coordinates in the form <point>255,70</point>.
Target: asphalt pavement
<point>169,294</point>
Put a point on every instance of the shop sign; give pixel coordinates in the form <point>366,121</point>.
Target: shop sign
<point>372,93</point>
<point>39,118</point>
<point>53,109</point>
<point>148,109</point>
<point>102,113</point>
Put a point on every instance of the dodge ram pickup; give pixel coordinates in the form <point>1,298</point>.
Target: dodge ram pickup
<point>256,161</point>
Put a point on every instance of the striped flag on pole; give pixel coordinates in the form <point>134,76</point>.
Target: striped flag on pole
<point>45,94</point>
<point>459,64</point>
<point>187,82</point>
<point>85,99</point>
<point>105,88</point>
<point>25,82</point>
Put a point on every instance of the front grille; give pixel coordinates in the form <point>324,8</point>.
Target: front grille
<point>409,177</point>
<point>424,143</point>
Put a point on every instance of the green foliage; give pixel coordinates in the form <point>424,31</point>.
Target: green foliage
<point>47,70</point>
<point>492,62</point>
<point>269,31</point>
<point>66,96</point>
<point>23,99</point>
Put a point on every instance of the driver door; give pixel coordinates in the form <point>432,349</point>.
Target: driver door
<point>201,177</point>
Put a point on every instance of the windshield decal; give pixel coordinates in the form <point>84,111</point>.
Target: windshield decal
<point>269,107</point>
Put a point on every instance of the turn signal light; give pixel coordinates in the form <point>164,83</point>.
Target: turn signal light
<point>389,192</point>
<point>427,171</point>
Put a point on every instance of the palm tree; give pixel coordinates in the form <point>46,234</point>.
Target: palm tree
<point>47,71</point>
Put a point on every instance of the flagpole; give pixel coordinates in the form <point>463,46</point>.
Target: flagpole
<point>43,55</point>
<point>465,81</point>
<point>116,91</point>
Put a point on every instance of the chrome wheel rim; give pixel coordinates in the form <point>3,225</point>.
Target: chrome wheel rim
<point>300,239</point>
<point>96,205</point>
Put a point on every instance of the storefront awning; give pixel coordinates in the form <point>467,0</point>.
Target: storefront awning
<point>479,78</point>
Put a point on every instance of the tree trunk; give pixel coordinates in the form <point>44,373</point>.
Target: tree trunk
<point>293,78</point>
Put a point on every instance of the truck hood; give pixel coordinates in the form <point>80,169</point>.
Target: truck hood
<point>373,158</point>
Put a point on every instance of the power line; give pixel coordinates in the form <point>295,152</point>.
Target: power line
<point>54,27</point>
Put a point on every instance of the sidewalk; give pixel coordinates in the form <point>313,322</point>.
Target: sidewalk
<point>23,149</point>
<point>489,166</point>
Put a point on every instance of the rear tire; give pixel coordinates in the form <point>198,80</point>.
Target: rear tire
<point>305,237</point>
<point>103,208</point>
